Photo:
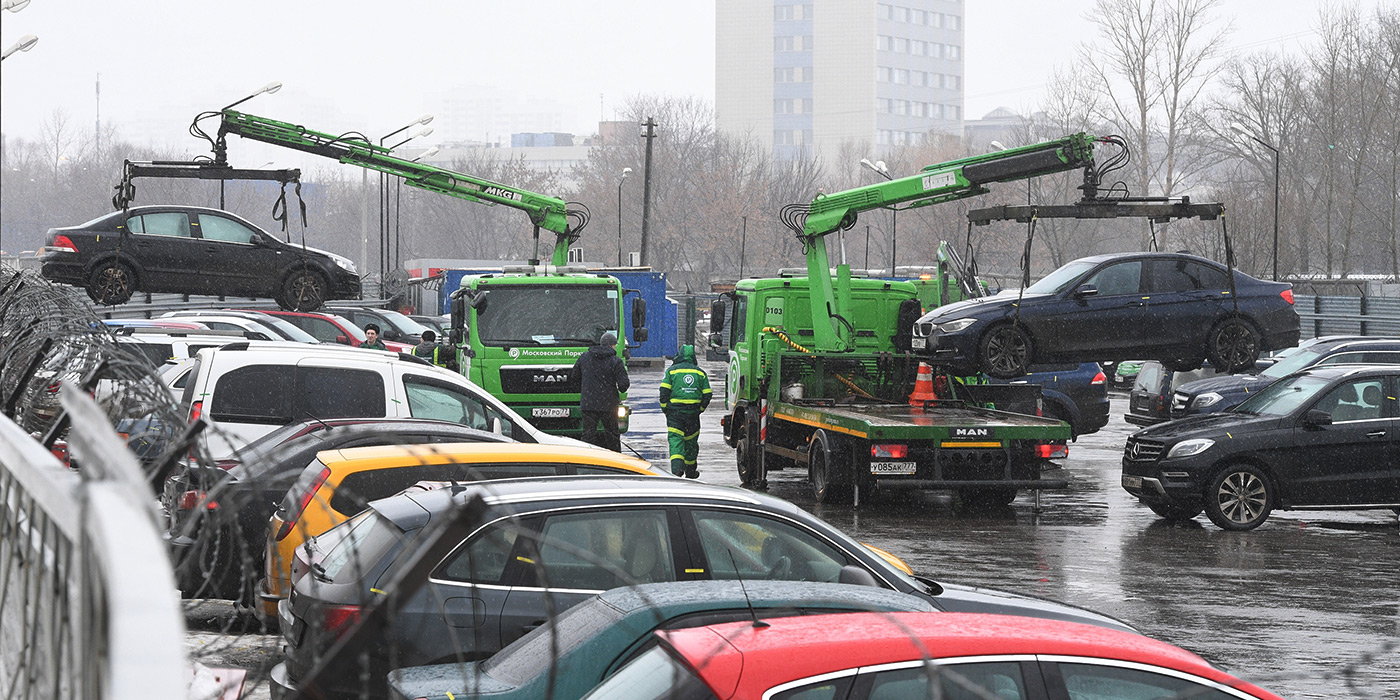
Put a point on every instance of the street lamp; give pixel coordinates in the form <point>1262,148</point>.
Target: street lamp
<point>879,168</point>
<point>1243,131</point>
<point>25,43</point>
<point>16,5</point>
<point>268,89</point>
<point>620,180</point>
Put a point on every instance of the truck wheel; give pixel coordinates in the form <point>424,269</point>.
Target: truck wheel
<point>111,283</point>
<point>1232,346</point>
<point>748,466</point>
<point>1175,513</point>
<point>1006,352</point>
<point>821,456</point>
<point>1239,498</point>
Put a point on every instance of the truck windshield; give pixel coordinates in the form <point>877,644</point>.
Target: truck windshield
<point>547,314</point>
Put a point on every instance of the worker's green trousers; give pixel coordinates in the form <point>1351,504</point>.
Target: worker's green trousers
<point>683,432</point>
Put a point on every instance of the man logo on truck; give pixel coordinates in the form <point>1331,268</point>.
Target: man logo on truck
<point>972,432</point>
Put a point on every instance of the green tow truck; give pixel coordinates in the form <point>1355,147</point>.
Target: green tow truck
<point>822,375</point>
<point>517,332</point>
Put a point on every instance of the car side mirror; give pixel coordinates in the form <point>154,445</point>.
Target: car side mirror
<point>856,576</point>
<point>1086,291</point>
<point>1316,418</point>
<point>479,302</point>
<point>717,309</point>
<point>342,340</point>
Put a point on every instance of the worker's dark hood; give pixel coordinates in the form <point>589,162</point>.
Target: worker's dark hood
<point>687,354</point>
<point>602,350</point>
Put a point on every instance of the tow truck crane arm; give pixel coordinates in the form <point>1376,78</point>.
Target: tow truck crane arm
<point>549,213</point>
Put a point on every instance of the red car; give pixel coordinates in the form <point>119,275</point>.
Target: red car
<point>330,328</point>
<point>910,656</point>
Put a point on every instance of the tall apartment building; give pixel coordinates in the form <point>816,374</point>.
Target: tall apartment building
<point>806,76</point>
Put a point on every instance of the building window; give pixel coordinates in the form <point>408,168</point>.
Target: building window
<point>901,14</point>
<point>883,74</point>
<point>918,48</point>
<point>798,74</point>
<point>935,19</point>
<point>884,11</point>
<point>901,76</point>
<point>953,22</point>
<point>952,53</point>
<point>792,12</point>
<point>918,17</point>
<point>884,43</point>
<point>901,45</point>
<point>916,109</point>
<point>952,82</point>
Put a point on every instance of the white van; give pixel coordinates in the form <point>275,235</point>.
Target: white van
<point>245,390</point>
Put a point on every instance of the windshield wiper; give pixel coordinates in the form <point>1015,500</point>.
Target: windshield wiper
<point>513,341</point>
<point>585,341</point>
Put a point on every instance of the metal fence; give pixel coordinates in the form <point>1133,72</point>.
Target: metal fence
<point>1338,315</point>
<point>88,607</point>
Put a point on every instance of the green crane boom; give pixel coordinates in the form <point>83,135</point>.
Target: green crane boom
<point>943,182</point>
<point>549,213</point>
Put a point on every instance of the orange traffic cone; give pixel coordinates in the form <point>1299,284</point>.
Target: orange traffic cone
<point>923,386</point>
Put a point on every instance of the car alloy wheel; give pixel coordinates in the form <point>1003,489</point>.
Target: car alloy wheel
<point>304,290</point>
<point>112,283</point>
<point>1239,498</point>
<point>1006,352</point>
<point>1233,346</point>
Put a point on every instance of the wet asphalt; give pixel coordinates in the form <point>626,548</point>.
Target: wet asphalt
<point>1307,605</point>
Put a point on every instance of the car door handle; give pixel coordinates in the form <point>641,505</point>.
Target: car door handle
<point>212,249</point>
<point>1376,434</point>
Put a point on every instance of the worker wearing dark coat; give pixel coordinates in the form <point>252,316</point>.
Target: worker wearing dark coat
<point>685,394</point>
<point>602,381</point>
<point>433,351</point>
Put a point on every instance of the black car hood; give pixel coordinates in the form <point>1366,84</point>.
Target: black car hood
<point>1208,425</point>
<point>1003,301</point>
<point>1227,384</point>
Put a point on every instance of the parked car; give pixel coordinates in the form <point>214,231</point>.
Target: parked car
<point>1225,392</point>
<point>330,328</point>
<point>266,326</point>
<point>337,485</point>
<point>601,634</point>
<point>192,250</point>
<point>1325,437</point>
<point>392,324</point>
<point>917,656</point>
<point>437,323</point>
<point>585,535</point>
<point>246,390</point>
<point>218,550</point>
<point>159,344</point>
<point>1149,402</point>
<point>1125,373</point>
<point>1176,308</point>
<point>1074,393</point>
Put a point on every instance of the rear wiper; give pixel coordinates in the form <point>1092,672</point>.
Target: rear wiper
<point>319,572</point>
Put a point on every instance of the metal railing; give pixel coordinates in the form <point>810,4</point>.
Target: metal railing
<point>1338,315</point>
<point>88,607</point>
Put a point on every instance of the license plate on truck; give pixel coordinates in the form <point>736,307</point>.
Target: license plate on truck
<point>549,413</point>
<point>893,467</point>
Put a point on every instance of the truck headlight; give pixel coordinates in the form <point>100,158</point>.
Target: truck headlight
<point>1186,448</point>
<point>1207,399</point>
<point>623,412</point>
<point>955,326</point>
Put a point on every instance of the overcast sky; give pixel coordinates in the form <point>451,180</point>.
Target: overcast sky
<point>374,66</point>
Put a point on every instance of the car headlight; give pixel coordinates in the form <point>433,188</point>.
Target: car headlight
<point>1207,399</point>
<point>1186,448</point>
<point>343,263</point>
<point>955,326</point>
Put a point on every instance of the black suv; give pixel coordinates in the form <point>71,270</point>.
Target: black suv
<point>192,250</point>
<point>1325,437</point>
<point>1225,392</point>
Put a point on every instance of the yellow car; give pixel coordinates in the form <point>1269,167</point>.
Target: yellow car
<point>340,483</point>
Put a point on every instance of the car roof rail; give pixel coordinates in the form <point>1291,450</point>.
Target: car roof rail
<point>409,357</point>
<point>183,332</point>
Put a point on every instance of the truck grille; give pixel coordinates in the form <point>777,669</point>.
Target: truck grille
<point>1139,450</point>
<point>539,380</point>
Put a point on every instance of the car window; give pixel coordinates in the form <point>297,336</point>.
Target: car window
<point>175,224</point>
<point>356,490</point>
<point>484,559</point>
<point>1118,279</point>
<point>741,313</point>
<point>337,392</point>
<point>655,675</point>
<point>254,394</point>
<point>761,547</point>
<point>1060,279</point>
<point>598,550</point>
<point>1094,682</point>
<point>370,536</point>
<point>830,689</point>
<point>1354,400</point>
<point>1002,680</point>
<point>156,353</point>
<point>1179,275</point>
<point>319,328</point>
<point>589,470</point>
<point>1374,357</point>
<point>218,228</point>
<point>441,401</point>
<point>1149,378</point>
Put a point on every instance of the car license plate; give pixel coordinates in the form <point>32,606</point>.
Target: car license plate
<point>549,413</point>
<point>920,343</point>
<point>893,467</point>
<point>1132,482</point>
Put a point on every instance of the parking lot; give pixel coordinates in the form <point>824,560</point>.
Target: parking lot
<point>1305,605</point>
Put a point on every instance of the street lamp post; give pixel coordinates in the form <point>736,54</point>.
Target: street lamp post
<point>620,180</point>
<point>398,202</point>
<point>384,194</point>
<point>1241,130</point>
<point>267,89</point>
<point>879,168</point>
<point>25,43</point>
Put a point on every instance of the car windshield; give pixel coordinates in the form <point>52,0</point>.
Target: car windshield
<point>287,330</point>
<point>1281,398</point>
<point>406,325</point>
<point>655,675</point>
<point>547,314</point>
<point>1061,279</point>
<point>1292,362</point>
<point>352,329</point>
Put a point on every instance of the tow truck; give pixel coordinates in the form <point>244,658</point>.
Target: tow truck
<point>517,332</point>
<point>821,370</point>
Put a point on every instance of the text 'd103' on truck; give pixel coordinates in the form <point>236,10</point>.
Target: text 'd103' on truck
<point>517,333</point>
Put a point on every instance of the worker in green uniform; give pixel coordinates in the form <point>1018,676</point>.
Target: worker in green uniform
<point>685,393</point>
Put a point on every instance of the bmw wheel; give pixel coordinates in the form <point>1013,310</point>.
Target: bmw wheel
<point>1006,352</point>
<point>1240,498</point>
<point>1233,346</point>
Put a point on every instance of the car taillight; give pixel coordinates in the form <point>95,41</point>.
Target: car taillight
<point>1287,295</point>
<point>1098,379</point>
<point>1051,450</point>
<point>302,502</point>
<point>196,410</point>
<point>190,500</point>
<point>337,619</point>
<point>62,244</point>
<point>889,451</point>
